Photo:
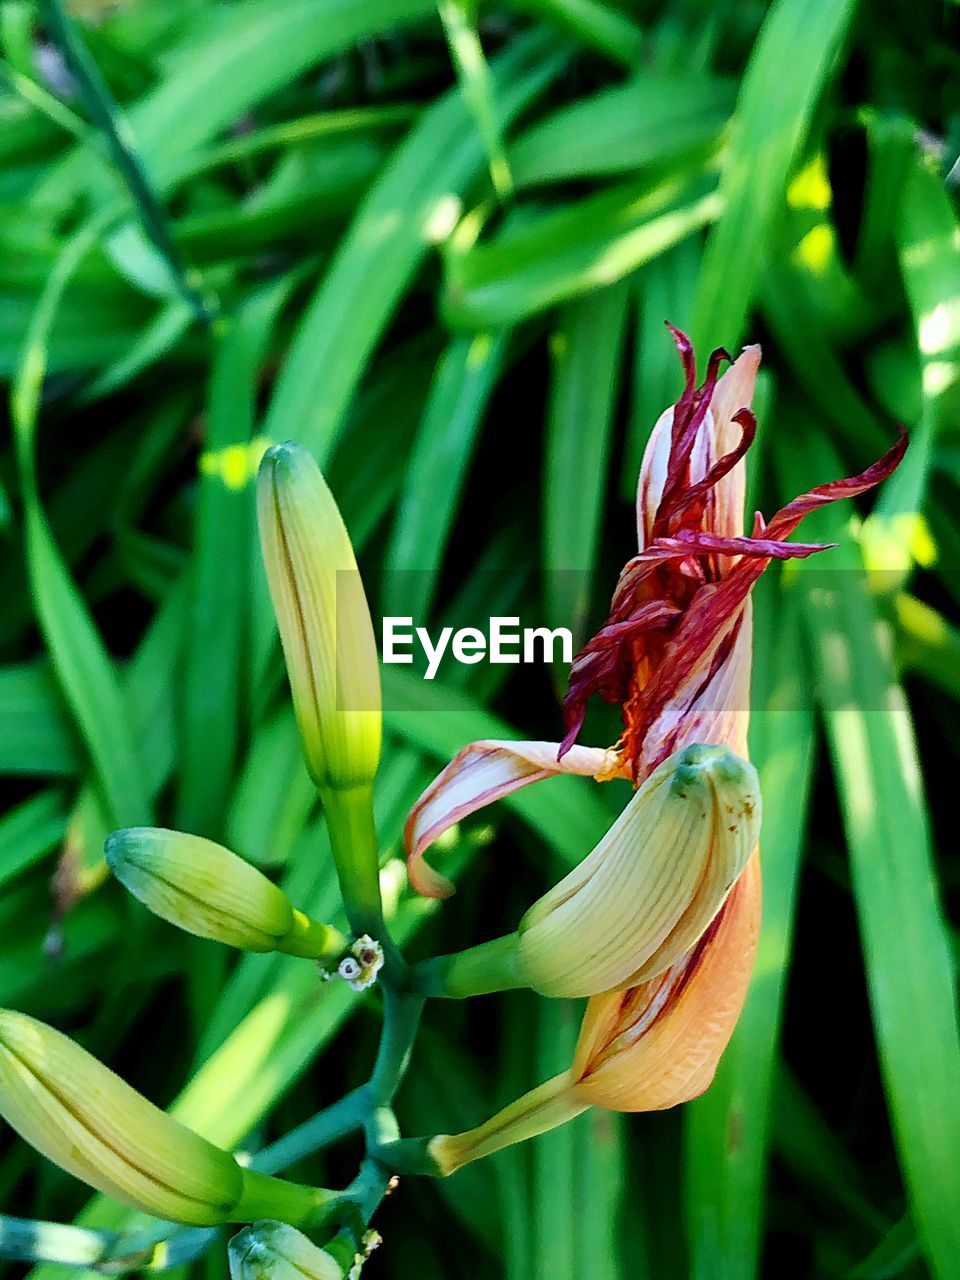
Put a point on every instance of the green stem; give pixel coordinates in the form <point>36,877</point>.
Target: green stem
<point>409,1155</point>
<point>401,1018</point>
<point>105,115</point>
<point>313,940</point>
<point>353,837</point>
<point>344,1116</point>
<point>491,966</point>
<point>267,1197</point>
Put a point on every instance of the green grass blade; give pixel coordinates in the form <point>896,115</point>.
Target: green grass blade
<point>438,466</point>
<point>35,737</point>
<point>223,64</point>
<point>909,966</point>
<point>386,243</point>
<point>222,558</point>
<point>537,262</point>
<point>652,119</point>
<point>597,25</point>
<point>162,333</point>
<point>557,1199</point>
<point>103,111</point>
<point>773,115</point>
<point>727,1130</point>
<point>805,1141</point>
<point>927,644</point>
<point>28,832</point>
<point>587,346</point>
<point>84,668</point>
<point>24,1240</point>
<point>926,237</point>
<point>460,27</point>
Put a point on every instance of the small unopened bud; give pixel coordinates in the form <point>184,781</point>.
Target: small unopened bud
<point>359,969</point>
<point>652,885</point>
<point>324,619</point>
<point>276,1251</point>
<point>371,1240</point>
<point>207,890</point>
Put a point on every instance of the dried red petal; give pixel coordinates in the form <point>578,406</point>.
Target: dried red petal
<point>681,598</point>
<point>688,415</point>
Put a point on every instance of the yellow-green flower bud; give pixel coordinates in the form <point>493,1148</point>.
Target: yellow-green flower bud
<point>80,1115</point>
<point>207,890</point>
<point>652,885</point>
<point>324,619</point>
<point>276,1251</point>
<point>84,1118</point>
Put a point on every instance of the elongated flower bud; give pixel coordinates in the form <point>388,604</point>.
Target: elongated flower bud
<point>276,1251</point>
<point>324,620</point>
<point>652,885</point>
<point>84,1118</point>
<point>209,891</point>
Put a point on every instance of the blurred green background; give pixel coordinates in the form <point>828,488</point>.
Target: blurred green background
<point>437,245</point>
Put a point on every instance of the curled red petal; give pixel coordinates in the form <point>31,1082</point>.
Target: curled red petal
<point>688,416</point>
<point>675,610</point>
<point>600,667</point>
<point>716,604</point>
<point>681,501</point>
<point>787,519</point>
<point>686,541</point>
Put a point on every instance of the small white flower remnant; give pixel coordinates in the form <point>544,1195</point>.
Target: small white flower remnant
<point>371,1240</point>
<point>359,969</point>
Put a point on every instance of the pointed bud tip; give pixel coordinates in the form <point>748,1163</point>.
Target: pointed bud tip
<point>701,762</point>
<point>281,456</point>
<point>120,845</point>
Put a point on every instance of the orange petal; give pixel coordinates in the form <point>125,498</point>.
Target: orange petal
<point>658,1044</point>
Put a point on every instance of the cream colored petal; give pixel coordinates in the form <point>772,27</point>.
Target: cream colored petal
<point>479,774</point>
<point>734,391</point>
<point>653,470</point>
<point>715,711</point>
<point>652,885</point>
<point>549,1105</point>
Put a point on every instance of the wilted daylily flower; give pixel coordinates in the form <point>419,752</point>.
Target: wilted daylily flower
<point>84,1118</point>
<point>675,651</point>
<point>675,656</point>
<point>205,889</point>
